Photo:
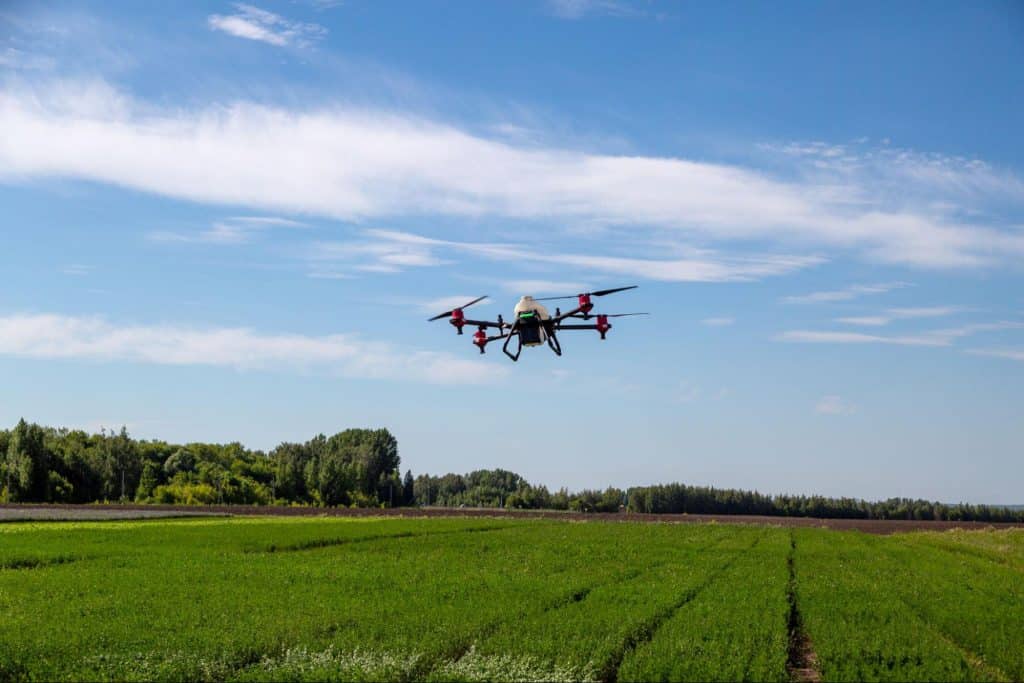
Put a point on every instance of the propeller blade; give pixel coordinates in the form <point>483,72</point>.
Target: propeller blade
<point>448,313</point>
<point>600,292</point>
<point>620,315</point>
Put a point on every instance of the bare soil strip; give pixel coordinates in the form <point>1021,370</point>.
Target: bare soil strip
<point>802,662</point>
<point>21,512</point>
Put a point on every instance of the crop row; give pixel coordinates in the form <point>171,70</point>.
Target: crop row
<point>736,629</point>
<point>591,636</point>
<point>851,594</point>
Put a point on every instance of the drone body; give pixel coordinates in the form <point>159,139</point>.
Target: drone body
<point>532,324</point>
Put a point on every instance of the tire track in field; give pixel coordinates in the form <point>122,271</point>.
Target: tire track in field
<point>38,562</point>
<point>455,654</point>
<point>801,660</point>
<point>609,671</point>
<point>321,543</point>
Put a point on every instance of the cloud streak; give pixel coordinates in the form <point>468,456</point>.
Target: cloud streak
<point>943,337</point>
<point>833,405</point>
<point>253,23</point>
<point>1009,354</point>
<point>360,164</point>
<point>845,294</point>
<point>47,336</point>
<point>231,231</point>
<point>392,251</point>
<point>892,314</point>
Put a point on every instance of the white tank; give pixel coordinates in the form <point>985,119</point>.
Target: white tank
<point>531,334</point>
<point>528,303</point>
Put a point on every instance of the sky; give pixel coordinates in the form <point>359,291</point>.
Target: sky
<point>230,222</point>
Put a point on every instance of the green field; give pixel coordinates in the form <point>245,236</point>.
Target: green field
<point>490,599</point>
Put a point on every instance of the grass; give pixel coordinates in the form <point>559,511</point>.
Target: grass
<point>260,599</point>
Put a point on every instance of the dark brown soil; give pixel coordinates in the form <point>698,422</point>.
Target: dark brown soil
<point>873,526</point>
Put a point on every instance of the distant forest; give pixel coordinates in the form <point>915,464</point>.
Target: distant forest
<point>361,468</point>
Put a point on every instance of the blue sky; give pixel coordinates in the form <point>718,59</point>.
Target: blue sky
<point>227,221</point>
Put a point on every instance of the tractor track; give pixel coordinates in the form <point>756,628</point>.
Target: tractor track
<point>801,660</point>
<point>322,543</point>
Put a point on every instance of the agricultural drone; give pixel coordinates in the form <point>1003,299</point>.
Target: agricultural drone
<point>532,325</point>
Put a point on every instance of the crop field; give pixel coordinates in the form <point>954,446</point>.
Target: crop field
<point>267,599</point>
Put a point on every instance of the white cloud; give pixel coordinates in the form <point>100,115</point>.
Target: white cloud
<point>969,330</point>
<point>76,269</point>
<point>13,58</point>
<point>866,320</point>
<point>944,337</point>
<point>577,9</point>
<point>358,164</point>
<point>688,392</point>
<point>393,249</point>
<point>892,314</point>
<point>1010,354</point>
<point>718,322</point>
<point>48,336</point>
<point>833,405</point>
<point>845,294</point>
<point>544,287</point>
<point>817,337</point>
<point>232,231</point>
<point>254,23</point>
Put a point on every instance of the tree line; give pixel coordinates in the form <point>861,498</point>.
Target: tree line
<point>680,498</point>
<point>361,468</point>
<point>356,467</point>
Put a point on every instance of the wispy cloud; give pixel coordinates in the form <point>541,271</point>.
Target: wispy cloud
<point>828,337</point>
<point>231,231</point>
<point>258,24</point>
<point>547,287</point>
<point>577,9</point>
<point>944,337</point>
<point>93,338</point>
<point>845,294</point>
<point>13,58</point>
<point>1009,354</point>
<point>77,269</point>
<point>833,405</point>
<point>724,321</point>
<point>359,164</point>
<point>892,314</point>
<point>390,251</point>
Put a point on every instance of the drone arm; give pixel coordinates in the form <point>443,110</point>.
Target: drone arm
<point>574,313</point>
<point>485,323</point>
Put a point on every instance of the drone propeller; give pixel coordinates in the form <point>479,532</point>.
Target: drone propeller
<point>448,313</point>
<point>623,315</point>
<point>600,292</point>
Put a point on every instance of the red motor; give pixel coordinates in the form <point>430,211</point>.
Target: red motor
<point>603,325</point>
<point>458,319</point>
<point>585,305</point>
<point>480,339</point>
